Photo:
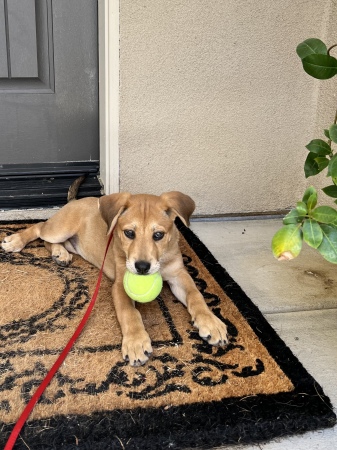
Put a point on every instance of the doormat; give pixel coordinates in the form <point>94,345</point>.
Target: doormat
<point>188,395</point>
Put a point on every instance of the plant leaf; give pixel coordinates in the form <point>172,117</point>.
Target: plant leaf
<point>321,67</point>
<point>328,247</point>
<point>301,208</point>
<point>292,217</point>
<point>327,134</point>
<point>311,46</point>
<point>312,201</point>
<point>332,167</point>
<point>322,162</point>
<point>333,133</point>
<point>331,191</point>
<point>308,192</point>
<point>310,165</point>
<point>320,147</point>
<point>312,233</point>
<point>287,242</point>
<point>324,214</point>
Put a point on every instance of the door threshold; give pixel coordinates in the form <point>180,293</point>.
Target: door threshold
<point>28,186</point>
<point>14,215</point>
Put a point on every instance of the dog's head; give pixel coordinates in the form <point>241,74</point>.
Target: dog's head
<point>143,226</point>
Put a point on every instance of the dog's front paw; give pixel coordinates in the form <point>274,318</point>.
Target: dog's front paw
<point>13,243</point>
<point>136,348</point>
<point>211,329</point>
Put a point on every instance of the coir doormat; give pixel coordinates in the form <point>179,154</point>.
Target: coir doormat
<point>188,395</point>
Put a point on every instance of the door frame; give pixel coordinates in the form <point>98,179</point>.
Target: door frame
<point>108,63</point>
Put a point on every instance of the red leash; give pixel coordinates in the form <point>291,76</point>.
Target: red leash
<point>28,409</point>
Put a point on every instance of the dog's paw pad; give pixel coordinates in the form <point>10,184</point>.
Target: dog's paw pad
<point>60,262</point>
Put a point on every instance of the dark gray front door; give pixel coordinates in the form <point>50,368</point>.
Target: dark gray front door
<point>48,87</point>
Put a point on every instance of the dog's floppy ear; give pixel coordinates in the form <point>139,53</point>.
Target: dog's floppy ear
<point>179,204</point>
<point>111,207</point>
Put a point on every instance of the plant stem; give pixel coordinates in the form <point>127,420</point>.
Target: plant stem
<point>335,120</point>
<point>330,48</point>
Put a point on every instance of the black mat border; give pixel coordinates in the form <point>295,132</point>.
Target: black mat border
<point>231,421</point>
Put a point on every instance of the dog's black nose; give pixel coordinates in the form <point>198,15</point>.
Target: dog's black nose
<point>142,267</point>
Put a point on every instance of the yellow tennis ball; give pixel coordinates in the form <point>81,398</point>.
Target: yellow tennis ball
<point>142,288</point>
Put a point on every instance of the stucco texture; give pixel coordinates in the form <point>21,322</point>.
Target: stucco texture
<point>214,101</point>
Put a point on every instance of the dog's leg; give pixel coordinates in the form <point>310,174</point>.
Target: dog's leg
<point>55,230</point>
<point>211,329</point>
<point>136,343</point>
<point>16,242</point>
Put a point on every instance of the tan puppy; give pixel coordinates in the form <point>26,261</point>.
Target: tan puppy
<point>145,241</point>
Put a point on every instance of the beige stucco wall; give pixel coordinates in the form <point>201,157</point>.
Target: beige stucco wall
<point>214,102</point>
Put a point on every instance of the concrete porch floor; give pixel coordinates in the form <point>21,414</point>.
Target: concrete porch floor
<point>298,298</point>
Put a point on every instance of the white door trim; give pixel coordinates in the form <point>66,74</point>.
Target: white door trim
<point>108,38</point>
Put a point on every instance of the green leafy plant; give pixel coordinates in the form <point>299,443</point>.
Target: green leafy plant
<point>315,225</point>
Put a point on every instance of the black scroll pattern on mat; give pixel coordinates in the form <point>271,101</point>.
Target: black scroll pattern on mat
<point>73,297</point>
<point>210,364</point>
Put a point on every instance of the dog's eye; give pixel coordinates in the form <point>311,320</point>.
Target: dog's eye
<point>158,235</point>
<point>130,234</point>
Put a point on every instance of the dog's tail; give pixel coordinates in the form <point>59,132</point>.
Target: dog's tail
<point>73,189</point>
